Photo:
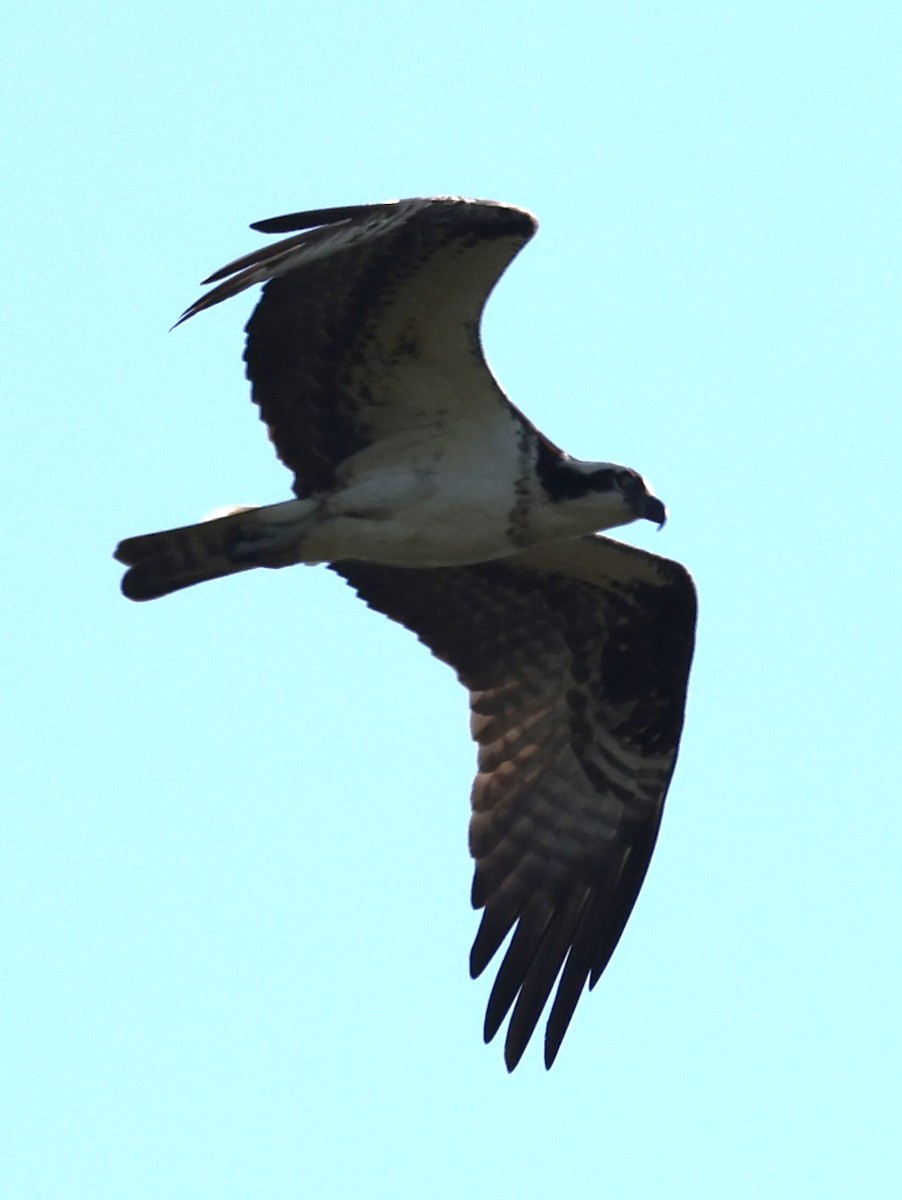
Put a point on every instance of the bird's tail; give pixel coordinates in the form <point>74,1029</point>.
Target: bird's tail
<point>164,562</point>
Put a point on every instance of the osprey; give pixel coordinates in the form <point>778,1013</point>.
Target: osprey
<point>445,508</point>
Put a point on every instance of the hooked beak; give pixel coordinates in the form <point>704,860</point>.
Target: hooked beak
<point>650,508</point>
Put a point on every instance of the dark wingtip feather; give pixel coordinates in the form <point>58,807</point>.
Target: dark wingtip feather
<point>512,1055</point>
<point>496,924</point>
<point>292,222</point>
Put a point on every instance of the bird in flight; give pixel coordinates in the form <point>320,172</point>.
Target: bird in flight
<point>446,509</point>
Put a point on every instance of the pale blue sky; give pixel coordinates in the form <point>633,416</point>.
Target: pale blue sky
<point>233,875</point>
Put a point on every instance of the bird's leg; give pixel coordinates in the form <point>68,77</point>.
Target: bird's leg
<point>270,536</point>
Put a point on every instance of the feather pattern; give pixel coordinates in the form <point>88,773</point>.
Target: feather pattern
<point>446,509</point>
<point>576,659</point>
<point>361,321</point>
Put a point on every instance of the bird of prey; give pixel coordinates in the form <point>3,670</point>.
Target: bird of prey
<point>445,508</point>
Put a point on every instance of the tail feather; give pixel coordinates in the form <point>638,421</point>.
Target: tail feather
<point>160,563</point>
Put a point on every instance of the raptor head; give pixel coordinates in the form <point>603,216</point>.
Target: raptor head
<point>598,495</point>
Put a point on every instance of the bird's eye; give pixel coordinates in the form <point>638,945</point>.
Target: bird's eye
<point>627,481</point>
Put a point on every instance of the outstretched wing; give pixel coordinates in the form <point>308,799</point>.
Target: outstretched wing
<point>368,326</point>
<point>577,656</point>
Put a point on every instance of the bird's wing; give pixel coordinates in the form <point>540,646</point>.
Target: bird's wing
<point>577,656</point>
<point>368,326</point>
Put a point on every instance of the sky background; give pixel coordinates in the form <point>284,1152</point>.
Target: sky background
<point>234,883</point>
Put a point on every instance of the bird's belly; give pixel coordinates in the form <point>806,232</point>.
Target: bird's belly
<point>411,521</point>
